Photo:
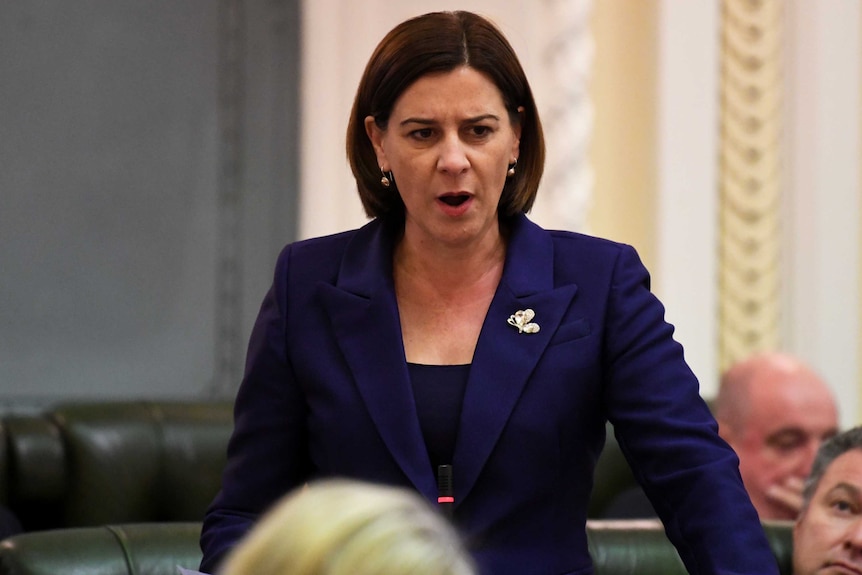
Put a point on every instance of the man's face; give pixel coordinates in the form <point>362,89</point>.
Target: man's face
<point>786,423</point>
<point>827,536</point>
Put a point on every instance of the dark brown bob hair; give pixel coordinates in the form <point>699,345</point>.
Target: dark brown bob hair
<point>434,43</point>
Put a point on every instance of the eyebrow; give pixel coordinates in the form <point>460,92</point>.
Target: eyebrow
<point>427,122</point>
<point>797,433</point>
<point>844,486</point>
<point>786,433</point>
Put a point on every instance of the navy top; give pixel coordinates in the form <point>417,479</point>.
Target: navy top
<point>439,392</point>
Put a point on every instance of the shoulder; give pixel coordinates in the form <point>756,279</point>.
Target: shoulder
<point>313,259</point>
<point>321,246</point>
<point>328,257</point>
<point>566,243</point>
<point>568,257</point>
<point>573,242</point>
<point>579,253</point>
<point>329,248</point>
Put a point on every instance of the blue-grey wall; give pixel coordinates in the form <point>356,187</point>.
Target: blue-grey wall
<point>148,170</point>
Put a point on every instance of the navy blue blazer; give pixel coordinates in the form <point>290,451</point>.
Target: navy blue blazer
<point>326,393</point>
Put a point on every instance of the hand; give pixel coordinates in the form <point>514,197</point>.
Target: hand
<point>788,493</point>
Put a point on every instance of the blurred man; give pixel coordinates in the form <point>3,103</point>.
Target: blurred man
<point>827,536</point>
<point>774,411</point>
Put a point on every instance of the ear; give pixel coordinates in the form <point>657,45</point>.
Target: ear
<point>516,128</point>
<point>725,430</point>
<point>375,134</point>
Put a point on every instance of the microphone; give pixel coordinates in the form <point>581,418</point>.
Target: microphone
<point>445,492</point>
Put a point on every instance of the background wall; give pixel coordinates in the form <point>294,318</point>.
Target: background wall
<point>654,134</point>
<point>115,210</point>
<point>625,89</point>
<point>156,157</point>
<point>824,195</point>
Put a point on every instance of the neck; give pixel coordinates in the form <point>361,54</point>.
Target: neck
<point>451,268</point>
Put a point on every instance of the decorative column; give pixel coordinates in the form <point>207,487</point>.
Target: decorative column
<point>229,341</point>
<point>567,52</point>
<point>750,178</point>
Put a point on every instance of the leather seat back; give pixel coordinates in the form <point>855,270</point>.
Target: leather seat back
<point>136,549</point>
<point>617,548</point>
<point>142,461</point>
<point>96,463</point>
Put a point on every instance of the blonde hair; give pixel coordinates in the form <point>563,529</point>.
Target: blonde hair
<point>344,527</point>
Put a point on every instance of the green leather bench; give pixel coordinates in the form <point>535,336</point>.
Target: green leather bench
<point>640,547</point>
<point>612,476</point>
<point>617,547</point>
<point>95,463</point>
<point>133,549</point>
<point>102,462</point>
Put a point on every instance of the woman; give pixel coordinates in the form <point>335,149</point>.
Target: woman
<point>339,527</point>
<point>451,330</point>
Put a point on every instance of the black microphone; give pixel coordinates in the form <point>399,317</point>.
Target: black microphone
<point>445,492</point>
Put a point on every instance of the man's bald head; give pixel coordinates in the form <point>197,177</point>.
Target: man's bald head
<point>774,410</point>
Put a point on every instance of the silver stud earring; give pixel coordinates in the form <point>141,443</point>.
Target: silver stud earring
<point>511,171</point>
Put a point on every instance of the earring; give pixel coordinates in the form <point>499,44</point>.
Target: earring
<point>386,181</point>
<point>511,171</point>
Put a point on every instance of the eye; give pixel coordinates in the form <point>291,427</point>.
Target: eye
<point>787,441</point>
<point>422,134</point>
<point>843,506</point>
<point>480,131</point>
<point>843,503</point>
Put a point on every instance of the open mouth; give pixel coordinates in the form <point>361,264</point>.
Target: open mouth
<point>454,199</point>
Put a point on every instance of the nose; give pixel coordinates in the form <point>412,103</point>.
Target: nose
<point>453,156</point>
<point>853,538</point>
<point>806,457</point>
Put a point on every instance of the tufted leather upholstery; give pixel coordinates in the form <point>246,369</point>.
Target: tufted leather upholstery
<point>640,547</point>
<point>612,475</point>
<point>617,547</point>
<point>134,549</point>
<point>99,462</point>
<point>114,462</point>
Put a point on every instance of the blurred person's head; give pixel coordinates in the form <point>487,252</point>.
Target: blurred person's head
<point>775,411</point>
<point>430,46</point>
<point>342,527</point>
<point>827,535</point>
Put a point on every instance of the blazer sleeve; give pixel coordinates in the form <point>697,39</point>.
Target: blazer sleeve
<point>267,452</point>
<point>669,437</point>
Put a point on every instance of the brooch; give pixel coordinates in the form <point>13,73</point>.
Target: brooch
<point>521,319</point>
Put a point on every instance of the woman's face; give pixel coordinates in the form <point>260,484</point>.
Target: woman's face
<point>448,144</point>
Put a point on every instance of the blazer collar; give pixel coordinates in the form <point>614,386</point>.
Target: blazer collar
<point>366,266</point>
<point>505,359</point>
<point>364,314</point>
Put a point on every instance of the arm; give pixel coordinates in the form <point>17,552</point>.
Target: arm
<point>669,437</point>
<point>267,453</point>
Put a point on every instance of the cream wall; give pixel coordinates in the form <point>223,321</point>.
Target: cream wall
<point>821,227</point>
<point>822,295</point>
<point>654,152</point>
<point>623,151</point>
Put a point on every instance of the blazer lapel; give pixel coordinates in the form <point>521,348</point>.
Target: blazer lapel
<point>364,315</point>
<point>504,358</point>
